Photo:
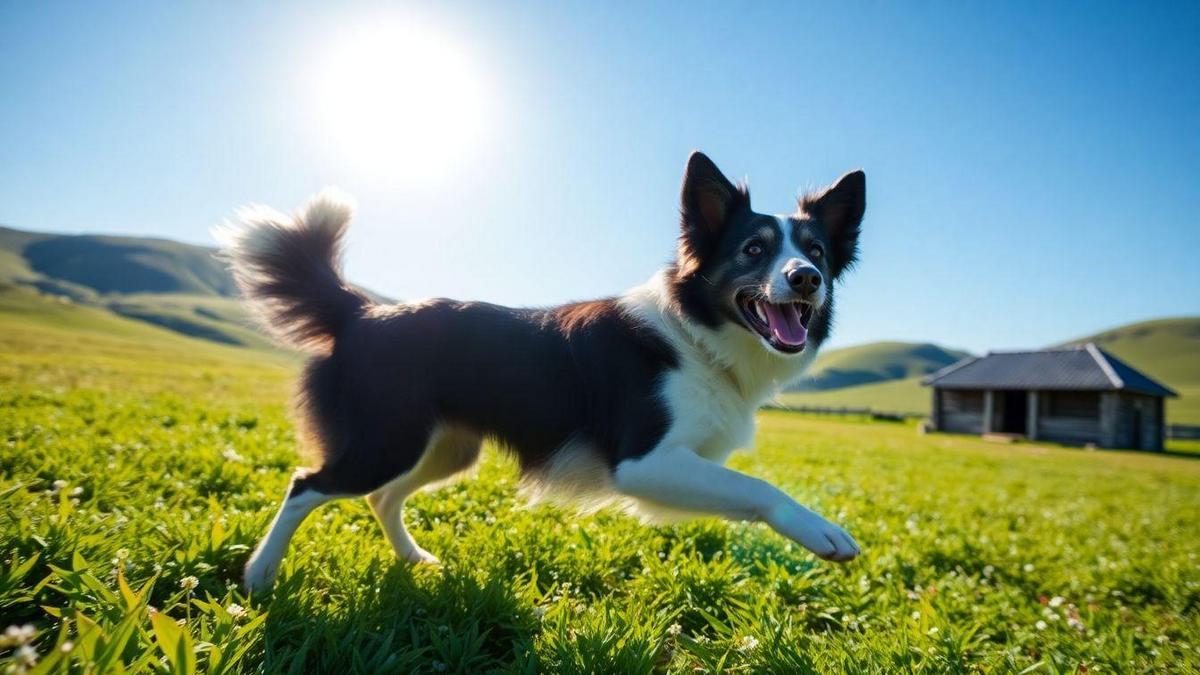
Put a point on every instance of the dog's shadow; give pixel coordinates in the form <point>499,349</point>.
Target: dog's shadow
<point>396,618</point>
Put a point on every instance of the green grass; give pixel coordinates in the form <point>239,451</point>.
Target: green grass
<point>134,459</point>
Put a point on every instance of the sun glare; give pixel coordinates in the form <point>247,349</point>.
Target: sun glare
<point>399,101</point>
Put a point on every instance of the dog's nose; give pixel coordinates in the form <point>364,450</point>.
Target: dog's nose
<point>804,280</point>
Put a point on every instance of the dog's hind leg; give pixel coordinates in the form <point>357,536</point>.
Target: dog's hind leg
<point>450,450</point>
<point>359,469</point>
<point>301,500</point>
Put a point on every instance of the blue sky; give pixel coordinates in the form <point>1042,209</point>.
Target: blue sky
<point>1033,168</point>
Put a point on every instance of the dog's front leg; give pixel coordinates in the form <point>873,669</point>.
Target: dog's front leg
<point>680,479</point>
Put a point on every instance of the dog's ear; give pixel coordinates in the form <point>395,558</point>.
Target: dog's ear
<point>707,200</point>
<point>840,209</point>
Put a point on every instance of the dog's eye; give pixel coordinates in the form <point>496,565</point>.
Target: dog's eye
<point>753,249</point>
<point>815,252</point>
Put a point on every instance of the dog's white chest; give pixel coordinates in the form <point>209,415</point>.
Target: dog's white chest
<point>708,413</point>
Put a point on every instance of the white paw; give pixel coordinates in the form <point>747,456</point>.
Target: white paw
<point>419,556</point>
<point>813,532</point>
<point>259,576</point>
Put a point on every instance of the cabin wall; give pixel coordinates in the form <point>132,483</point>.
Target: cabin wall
<point>1070,417</point>
<point>1138,422</point>
<point>960,411</point>
<point>1107,419</point>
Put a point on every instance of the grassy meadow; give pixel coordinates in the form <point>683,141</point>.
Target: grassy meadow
<point>139,467</point>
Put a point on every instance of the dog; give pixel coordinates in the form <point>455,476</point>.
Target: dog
<point>637,399</point>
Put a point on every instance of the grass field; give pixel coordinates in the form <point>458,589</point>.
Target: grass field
<point>894,396</point>
<point>139,467</point>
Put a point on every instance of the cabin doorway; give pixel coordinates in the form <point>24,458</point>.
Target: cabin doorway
<point>1015,412</point>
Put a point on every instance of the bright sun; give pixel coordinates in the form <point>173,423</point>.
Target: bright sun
<point>399,101</point>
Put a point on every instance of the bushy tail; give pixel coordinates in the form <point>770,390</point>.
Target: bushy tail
<point>289,269</point>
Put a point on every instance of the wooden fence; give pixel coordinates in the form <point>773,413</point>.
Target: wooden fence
<point>885,415</point>
<point>1184,432</point>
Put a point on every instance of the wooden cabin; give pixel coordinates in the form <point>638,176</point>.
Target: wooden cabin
<point>1079,395</point>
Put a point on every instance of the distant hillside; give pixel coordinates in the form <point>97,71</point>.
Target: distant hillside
<point>875,362</point>
<point>1167,350</point>
<point>180,287</point>
<point>75,265</point>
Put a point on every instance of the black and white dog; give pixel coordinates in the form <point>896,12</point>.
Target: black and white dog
<point>637,399</point>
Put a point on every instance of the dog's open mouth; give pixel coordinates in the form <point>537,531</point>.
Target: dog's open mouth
<point>783,325</point>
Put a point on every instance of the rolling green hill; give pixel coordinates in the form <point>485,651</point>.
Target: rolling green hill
<point>876,362</point>
<point>86,266</point>
<point>180,287</point>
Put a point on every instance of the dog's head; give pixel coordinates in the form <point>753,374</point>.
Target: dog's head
<point>771,275</point>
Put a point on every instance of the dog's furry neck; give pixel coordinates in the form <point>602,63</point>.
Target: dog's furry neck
<point>757,374</point>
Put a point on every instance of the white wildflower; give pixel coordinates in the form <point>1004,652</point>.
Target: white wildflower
<point>59,484</point>
<point>232,455</point>
<point>189,583</point>
<point>1076,624</point>
<point>75,491</point>
<point>17,635</point>
<point>674,629</point>
<point>932,631</point>
<point>1041,625</point>
<point>1028,567</point>
<point>23,633</point>
<point>25,656</point>
<point>916,615</point>
<point>748,643</point>
<point>1057,601</point>
<point>235,610</point>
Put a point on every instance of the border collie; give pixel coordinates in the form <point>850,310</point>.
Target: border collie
<point>637,399</point>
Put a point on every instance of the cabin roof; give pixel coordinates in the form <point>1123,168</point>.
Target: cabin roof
<point>1083,367</point>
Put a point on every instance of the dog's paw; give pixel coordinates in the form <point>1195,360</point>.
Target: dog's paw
<point>258,577</point>
<point>823,538</point>
<point>419,556</point>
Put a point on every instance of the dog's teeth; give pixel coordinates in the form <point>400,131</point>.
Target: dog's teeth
<point>758,309</point>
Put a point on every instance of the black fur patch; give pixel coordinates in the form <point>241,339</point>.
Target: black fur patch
<point>531,379</point>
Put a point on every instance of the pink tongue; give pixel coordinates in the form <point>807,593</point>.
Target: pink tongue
<point>784,322</point>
